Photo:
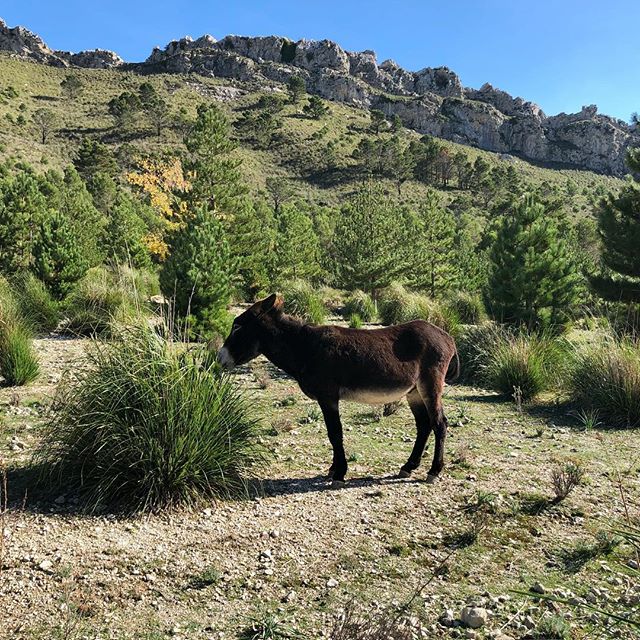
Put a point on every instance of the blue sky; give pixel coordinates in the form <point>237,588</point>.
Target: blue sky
<point>561,54</point>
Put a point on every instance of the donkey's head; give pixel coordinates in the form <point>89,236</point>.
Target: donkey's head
<point>243,343</point>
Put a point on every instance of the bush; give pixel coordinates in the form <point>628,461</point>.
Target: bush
<point>397,305</point>
<point>302,300</point>
<point>38,308</point>
<point>523,365</point>
<point>565,477</point>
<point>468,307</point>
<point>475,345</point>
<point>362,304</point>
<point>101,298</point>
<point>145,426</point>
<point>605,377</point>
<point>18,361</point>
<point>355,321</point>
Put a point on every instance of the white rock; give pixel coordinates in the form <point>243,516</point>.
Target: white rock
<point>474,617</point>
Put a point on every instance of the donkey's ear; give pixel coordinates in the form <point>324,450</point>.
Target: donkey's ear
<point>274,302</point>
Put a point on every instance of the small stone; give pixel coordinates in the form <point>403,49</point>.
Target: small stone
<point>538,588</point>
<point>274,534</point>
<point>46,565</point>
<point>332,583</point>
<point>448,618</point>
<point>474,617</point>
<point>60,500</point>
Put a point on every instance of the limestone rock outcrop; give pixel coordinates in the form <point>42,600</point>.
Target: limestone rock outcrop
<point>431,101</point>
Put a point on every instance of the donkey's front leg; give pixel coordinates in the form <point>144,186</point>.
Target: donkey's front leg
<point>334,431</point>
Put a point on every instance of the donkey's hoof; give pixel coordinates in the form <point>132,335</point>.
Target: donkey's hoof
<point>404,473</point>
<point>431,478</point>
<point>338,484</point>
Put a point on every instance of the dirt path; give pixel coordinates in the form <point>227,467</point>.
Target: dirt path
<point>300,552</point>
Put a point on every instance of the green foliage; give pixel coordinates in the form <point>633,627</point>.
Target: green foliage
<point>296,87</point>
<point>303,301</point>
<point>467,306</point>
<point>534,280</point>
<point>475,345</point>
<point>296,253</point>
<point>210,164</point>
<point>45,122</point>
<point>146,426</point>
<point>378,121</point>
<point>605,377</point>
<point>355,321</point>
<point>23,208</point>
<point>315,108</point>
<point>619,226</point>
<point>362,304</point>
<point>369,247</point>
<point>35,303</point>
<point>124,232</point>
<point>197,273</point>
<point>288,51</point>
<point>396,305</point>
<point>433,266</point>
<point>58,260</point>
<point>104,297</point>
<point>124,109</point>
<point>71,86</point>
<point>18,362</point>
<point>522,366</point>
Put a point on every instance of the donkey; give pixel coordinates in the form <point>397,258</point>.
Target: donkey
<point>333,363</point>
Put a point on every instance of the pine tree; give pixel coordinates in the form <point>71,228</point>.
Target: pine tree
<point>619,227</point>
<point>296,87</point>
<point>370,246</point>
<point>433,266</point>
<point>315,108</point>
<point>533,279</point>
<point>378,121</point>
<point>57,256</point>
<point>253,244</point>
<point>125,231</point>
<point>211,167</point>
<point>197,273</point>
<point>23,207</point>
<point>296,254</point>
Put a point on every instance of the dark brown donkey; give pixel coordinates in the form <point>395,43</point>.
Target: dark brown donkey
<point>370,366</point>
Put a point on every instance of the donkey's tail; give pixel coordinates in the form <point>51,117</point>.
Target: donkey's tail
<point>454,368</point>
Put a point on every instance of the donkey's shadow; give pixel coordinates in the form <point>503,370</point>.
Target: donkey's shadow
<point>290,486</point>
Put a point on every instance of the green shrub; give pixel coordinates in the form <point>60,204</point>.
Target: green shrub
<point>146,426</point>
<point>18,361</point>
<point>523,365</point>
<point>37,306</point>
<point>355,321</point>
<point>475,345</point>
<point>302,300</point>
<point>468,307</point>
<point>101,298</point>
<point>605,377</point>
<point>397,305</point>
<point>362,304</point>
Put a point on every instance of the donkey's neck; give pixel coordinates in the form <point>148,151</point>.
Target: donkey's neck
<point>281,344</point>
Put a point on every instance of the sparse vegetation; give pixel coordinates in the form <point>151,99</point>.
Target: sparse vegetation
<point>146,426</point>
<point>302,300</point>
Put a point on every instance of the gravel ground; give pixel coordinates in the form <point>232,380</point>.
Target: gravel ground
<point>297,553</point>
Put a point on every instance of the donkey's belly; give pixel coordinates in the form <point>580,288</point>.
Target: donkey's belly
<point>373,396</point>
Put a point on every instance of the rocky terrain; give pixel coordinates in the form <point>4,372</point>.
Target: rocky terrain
<point>430,101</point>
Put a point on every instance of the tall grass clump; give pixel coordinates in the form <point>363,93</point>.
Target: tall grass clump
<point>524,365</point>
<point>303,301</point>
<point>605,377</point>
<point>361,304</point>
<point>18,361</point>
<point>475,345</point>
<point>36,304</point>
<point>102,297</point>
<point>468,307</point>
<point>397,305</point>
<point>145,425</point>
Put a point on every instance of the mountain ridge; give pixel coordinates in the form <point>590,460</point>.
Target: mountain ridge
<point>431,101</point>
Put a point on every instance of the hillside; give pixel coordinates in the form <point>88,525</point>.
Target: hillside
<point>430,101</point>
<point>298,150</point>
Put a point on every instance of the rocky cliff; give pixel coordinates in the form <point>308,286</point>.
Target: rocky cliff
<point>431,100</point>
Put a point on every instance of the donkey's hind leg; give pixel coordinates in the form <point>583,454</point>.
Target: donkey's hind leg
<point>431,390</point>
<point>423,429</point>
